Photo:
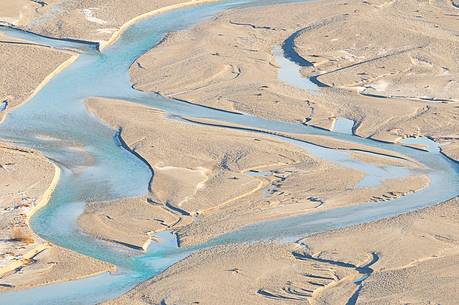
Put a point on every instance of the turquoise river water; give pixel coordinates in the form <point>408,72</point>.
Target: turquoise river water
<point>95,167</point>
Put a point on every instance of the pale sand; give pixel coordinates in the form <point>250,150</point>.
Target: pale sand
<point>20,12</point>
<point>53,265</point>
<point>451,149</point>
<point>92,20</point>
<point>228,54</point>
<point>414,57</point>
<point>230,80</point>
<point>418,252</point>
<point>25,259</point>
<point>413,60</point>
<point>242,274</point>
<point>287,196</point>
<point>187,149</point>
<point>21,193</point>
<point>158,11</point>
<point>418,258</point>
<point>100,20</point>
<point>373,154</point>
<point>24,71</point>
<point>130,222</point>
<point>230,84</point>
<point>204,172</point>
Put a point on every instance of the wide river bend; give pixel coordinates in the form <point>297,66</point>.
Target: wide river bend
<point>96,168</point>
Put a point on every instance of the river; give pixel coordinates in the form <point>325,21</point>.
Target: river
<point>95,168</point>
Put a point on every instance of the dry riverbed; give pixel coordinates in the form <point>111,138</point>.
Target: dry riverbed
<point>208,180</point>
<point>392,86</point>
<point>395,83</point>
<point>413,258</point>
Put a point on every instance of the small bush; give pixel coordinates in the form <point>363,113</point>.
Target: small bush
<point>22,236</point>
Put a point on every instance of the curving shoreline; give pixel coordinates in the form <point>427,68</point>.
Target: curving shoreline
<point>46,197</point>
<point>158,11</point>
<point>42,84</point>
<point>34,260</point>
<point>50,76</point>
